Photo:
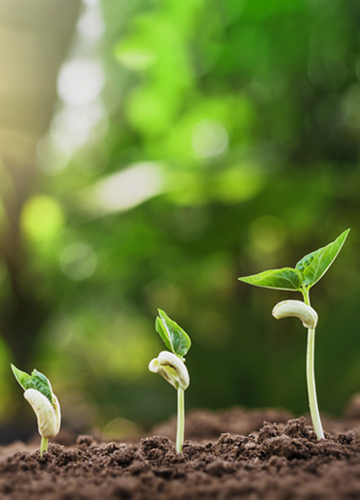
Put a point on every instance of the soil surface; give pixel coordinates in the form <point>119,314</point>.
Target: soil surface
<point>278,459</point>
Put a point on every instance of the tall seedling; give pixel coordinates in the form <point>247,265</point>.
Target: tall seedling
<point>171,366</point>
<point>305,275</point>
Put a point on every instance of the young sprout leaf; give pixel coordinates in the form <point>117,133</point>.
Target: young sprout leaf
<point>36,381</point>
<point>23,378</point>
<point>314,265</point>
<point>174,337</point>
<point>279,279</point>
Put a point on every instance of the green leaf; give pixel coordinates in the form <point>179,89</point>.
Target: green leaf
<point>36,381</point>
<point>314,265</point>
<point>23,378</point>
<point>174,337</point>
<point>279,279</point>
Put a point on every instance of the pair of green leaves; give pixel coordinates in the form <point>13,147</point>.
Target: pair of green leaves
<point>174,337</point>
<point>36,381</point>
<point>307,271</point>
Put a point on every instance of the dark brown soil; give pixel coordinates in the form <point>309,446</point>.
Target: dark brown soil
<point>279,461</point>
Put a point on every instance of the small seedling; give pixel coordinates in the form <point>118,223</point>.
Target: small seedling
<point>171,366</point>
<point>306,274</point>
<point>38,392</point>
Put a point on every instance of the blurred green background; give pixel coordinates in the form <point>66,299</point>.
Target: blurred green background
<point>151,153</point>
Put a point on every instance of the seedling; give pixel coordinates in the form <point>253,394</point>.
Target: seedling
<point>171,366</point>
<point>38,392</point>
<point>306,274</point>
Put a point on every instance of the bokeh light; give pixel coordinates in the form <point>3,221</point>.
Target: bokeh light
<point>152,153</point>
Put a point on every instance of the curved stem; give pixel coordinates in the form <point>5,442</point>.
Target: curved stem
<point>43,446</point>
<point>310,376</point>
<point>180,419</point>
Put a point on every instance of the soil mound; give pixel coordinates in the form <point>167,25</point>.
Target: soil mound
<point>280,462</point>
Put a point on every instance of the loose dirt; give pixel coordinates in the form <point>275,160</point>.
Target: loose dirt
<point>278,459</point>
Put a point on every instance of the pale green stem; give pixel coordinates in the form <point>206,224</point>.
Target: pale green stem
<point>43,446</point>
<point>180,420</point>
<point>310,376</point>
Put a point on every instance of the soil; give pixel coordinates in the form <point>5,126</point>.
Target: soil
<point>279,459</point>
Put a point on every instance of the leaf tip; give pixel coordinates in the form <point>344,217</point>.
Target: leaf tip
<point>161,314</point>
<point>14,369</point>
<point>344,235</point>
<point>18,374</point>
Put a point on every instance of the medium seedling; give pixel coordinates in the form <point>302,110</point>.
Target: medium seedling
<point>306,274</point>
<point>39,393</point>
<point>171,366</point>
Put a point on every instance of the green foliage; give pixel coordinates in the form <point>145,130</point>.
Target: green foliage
<point>258,144</point>
<point>280,279</point>
<point>314,265</point>
<point>36,381</point>
<point>174,337</point>
<point>307,272</point>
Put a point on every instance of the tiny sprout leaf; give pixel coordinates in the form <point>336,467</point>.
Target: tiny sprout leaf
<point>36,381</point>
<point>174,337</point>
<point>279,279</point>
<point>23,378</point>
<point>314,265</point>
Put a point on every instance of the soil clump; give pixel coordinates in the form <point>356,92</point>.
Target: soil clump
<point>280,459</point>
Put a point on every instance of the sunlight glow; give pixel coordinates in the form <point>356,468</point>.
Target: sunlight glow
<point>78,261</point>
<point>90,24</point>
<point>42,218</point>
<point>210,139</point>
<point>135,59</point>
<point>127,188</point>
<point>80,81</point>
<point>90,3</point>
<point>71,127</point>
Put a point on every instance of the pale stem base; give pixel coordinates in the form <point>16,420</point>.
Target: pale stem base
<point>310,378</point>
<point>180,420</point>
<point>43,446</point>
<point>310,375</point>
